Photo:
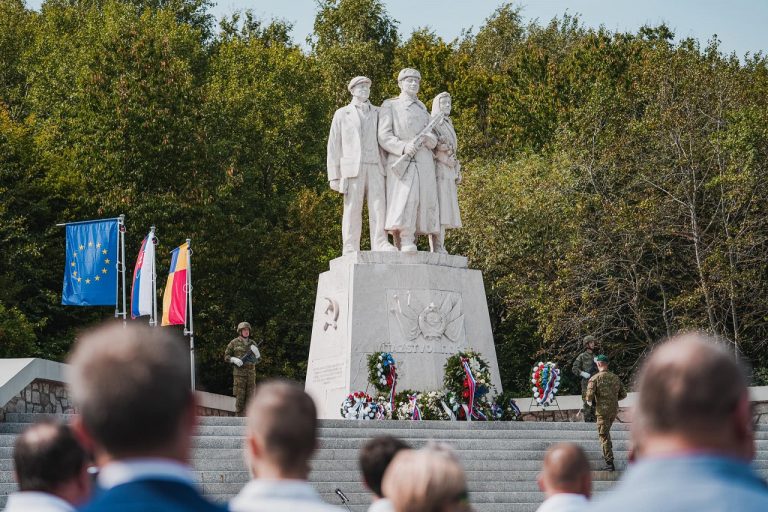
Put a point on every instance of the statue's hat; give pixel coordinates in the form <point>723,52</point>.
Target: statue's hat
<point>356,81</point>
<point>408,72</point>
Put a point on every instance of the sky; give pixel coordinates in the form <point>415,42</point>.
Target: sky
<point>741,25</point>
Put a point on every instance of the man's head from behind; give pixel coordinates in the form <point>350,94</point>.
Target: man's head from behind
<point>375,456</point>
<point>565,470</point>
<point>282,430</point>
<point>693,396</point>
<point>132,387</point>
<point>48,458</point>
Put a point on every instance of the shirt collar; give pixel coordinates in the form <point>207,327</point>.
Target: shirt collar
<point>564,501</point>
<point>262,489</point>
<point>381,505</point>
<point>37,501</point>
<point>125,471</point>
<point>699,465</point>
<point>409,100</point>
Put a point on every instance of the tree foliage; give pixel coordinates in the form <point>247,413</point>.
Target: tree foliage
<point>614,183</point>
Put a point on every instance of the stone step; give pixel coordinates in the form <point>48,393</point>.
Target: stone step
<point>7,440</point>
<point>387,426</point>
<point>323,465</point>
<point>363,433</point>
<point>501,459</point>
<point>483,507</point>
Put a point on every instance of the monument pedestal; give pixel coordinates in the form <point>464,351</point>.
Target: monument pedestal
<point>422,307</point>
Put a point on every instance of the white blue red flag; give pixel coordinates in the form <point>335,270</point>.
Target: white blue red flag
<point>142,291</point>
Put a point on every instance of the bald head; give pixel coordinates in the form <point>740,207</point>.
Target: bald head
<point>282,420</point>
<point>47,458</point>
<point>565,470</point>
<point>691,388</point>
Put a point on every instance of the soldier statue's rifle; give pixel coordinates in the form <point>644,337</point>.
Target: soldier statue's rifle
<point>402,163</point>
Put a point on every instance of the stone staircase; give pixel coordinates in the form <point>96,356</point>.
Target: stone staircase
<point>501,459</point>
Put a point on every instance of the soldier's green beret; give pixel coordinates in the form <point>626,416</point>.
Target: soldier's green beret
<point>602,358</point>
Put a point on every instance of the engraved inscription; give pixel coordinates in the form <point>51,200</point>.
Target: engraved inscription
<point>328,373</point>
<point>428,347</point>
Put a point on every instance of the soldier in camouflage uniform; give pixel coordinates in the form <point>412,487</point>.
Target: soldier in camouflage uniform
<point>605,390</point>
<point>584,368</point>
<point>243,353</point>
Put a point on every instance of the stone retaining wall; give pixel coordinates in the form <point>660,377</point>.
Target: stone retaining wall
<point>45,396</point>
<point>207,411</point>
<point>40,396</point>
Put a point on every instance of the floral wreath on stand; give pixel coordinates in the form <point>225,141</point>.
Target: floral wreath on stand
<point>361,406</point>
<point>382,374</point>
<point>545,378</point>
<point>468,377</point>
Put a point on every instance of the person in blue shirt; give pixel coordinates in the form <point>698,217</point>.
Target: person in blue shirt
<point>693,435</point>
<point>137,415</point>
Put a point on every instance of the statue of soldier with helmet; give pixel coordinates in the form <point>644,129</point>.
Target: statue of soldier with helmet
<point>243,353</point>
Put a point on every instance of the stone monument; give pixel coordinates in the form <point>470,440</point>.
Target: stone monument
<point>420,306</point>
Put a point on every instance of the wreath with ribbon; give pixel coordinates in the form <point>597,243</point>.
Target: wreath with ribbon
<point>469,377</point>
<point>545,378</point>
<point>504,408</point>
<point>382,374</point>
<point>362,406</point>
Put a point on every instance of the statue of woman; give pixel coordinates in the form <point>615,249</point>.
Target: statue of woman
<point>447,168</point>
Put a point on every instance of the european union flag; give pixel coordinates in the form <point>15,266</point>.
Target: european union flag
<point>90,274</point>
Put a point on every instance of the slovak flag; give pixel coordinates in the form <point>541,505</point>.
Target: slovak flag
<point>142,289</point>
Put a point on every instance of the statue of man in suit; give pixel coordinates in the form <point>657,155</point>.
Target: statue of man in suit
<point>355,168</point>
<point>412,204</point>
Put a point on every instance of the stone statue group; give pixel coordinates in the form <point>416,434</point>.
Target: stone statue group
<point>399,158</point>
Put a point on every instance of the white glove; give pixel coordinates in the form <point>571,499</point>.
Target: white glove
<point>255,351</point>
<point>585,375</point>
<point>237,362</point>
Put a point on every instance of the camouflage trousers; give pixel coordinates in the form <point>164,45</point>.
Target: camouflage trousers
<point>604,432</point>
<point>588,411</point>
<point>244,384</point>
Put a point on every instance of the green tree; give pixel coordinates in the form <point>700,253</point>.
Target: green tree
<point>351,38</point>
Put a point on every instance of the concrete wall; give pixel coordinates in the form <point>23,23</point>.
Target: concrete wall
<point>38,385</point>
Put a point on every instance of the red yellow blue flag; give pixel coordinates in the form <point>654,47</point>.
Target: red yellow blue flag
<point>175,294</point>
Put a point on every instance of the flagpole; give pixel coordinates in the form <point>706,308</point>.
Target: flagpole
<point>191,331</point>
<point>153,240</point>
<point>121,259</point>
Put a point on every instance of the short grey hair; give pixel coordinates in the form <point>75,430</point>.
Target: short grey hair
<point>284,416</point>
<point>131,385</point>
<point>688,385</point>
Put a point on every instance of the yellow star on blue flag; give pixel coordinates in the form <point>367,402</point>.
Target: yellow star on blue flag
<point>88,278</point>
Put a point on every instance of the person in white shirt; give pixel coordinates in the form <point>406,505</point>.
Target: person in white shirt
<point>281,435</point>
<point>51,469</point>
<point>430,479</point>
<point>565,479</point>
<point>375,456</point>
